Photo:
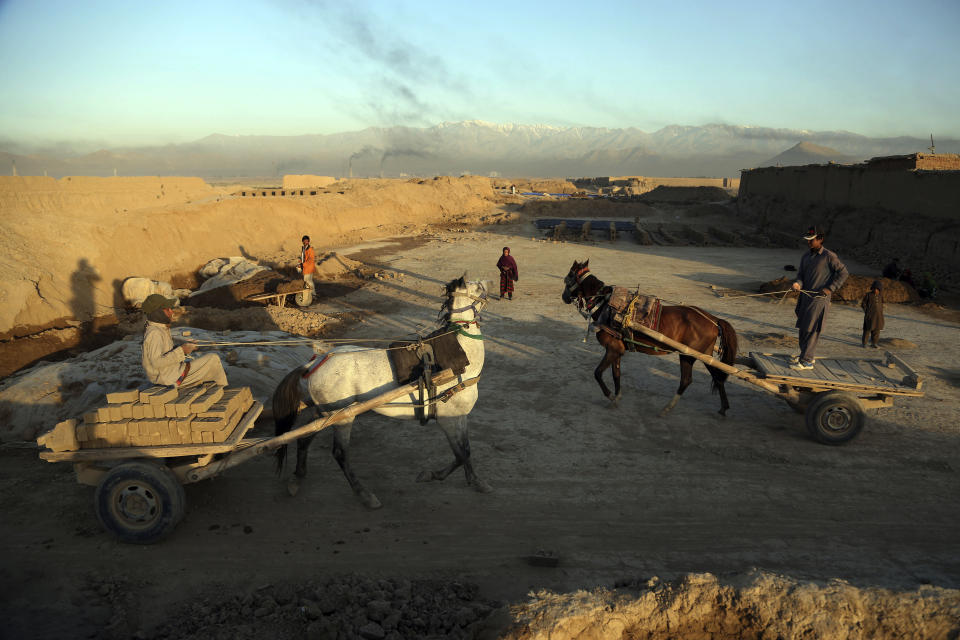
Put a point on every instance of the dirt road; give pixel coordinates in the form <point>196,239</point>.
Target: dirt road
<point>618,494</point>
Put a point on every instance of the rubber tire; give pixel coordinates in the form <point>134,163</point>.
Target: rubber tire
<point>139,502</point>
<point>835,417</point>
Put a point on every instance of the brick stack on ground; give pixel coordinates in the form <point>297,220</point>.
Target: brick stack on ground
<point>204,414</point>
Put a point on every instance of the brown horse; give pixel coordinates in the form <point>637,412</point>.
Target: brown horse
<point>691,326</point>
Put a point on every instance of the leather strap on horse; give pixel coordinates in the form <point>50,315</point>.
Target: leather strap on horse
<point>457,388</point>
<point>619,336</point>
<point>427,408</point>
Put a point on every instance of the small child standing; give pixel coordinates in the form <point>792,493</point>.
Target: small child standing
<point>872,305</point>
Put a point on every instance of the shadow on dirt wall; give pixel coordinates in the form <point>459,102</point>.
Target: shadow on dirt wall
<point>92,325</point>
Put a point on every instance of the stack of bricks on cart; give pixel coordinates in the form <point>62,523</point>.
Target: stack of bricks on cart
<point>203,414</point>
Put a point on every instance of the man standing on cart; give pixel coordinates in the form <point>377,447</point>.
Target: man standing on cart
<point>167,364</point>
<point>820,275</point>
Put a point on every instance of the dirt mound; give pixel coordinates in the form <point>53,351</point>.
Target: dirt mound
<point>760,605</point>
<point>159,227</point>
<point>340,606</point>
<point>331,266</point>
<point>854,289</point>
<point>269,318</point>
<point>686,194</point>
<point>534,184</point>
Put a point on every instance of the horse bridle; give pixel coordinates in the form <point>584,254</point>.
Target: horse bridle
<point>478,301</point>
<point>584,304</point>
<point>580,276</point>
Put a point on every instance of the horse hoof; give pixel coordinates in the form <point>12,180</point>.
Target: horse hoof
<point>293,487</point>
<point>369,500</point>
<point>723,412</point>
<point>664,413</point>
<point>481,486</point>
<point>425,476</point>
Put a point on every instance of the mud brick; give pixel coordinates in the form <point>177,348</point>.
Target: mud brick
<point>161,430</point>
<point>233,398</point>
<point>62,437</point>
<point>221,409</point>
<point>117,432</point>
<point>121,397</point>
<point>116,412</point>
<point>207,437</point>
<point>206,424</point>
<point>103,414</point>
<point>161,398</point>
<point>197,437</point>
<point>136,411</point>
<point>147,410</point>
<point>145,394</point>
<point>181,408</point>
<point>91,418</point>
<point>246,398</point>
<point>139,441</point>
<point>126,410</point>
<point>183,430</point>
<point>133,429</point>
<point>83,433</point>
<point>170,410</point>
<point>149,427</point>
<point>211,396</point>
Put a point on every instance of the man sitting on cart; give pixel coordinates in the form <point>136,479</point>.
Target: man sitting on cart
<point>167,364</point>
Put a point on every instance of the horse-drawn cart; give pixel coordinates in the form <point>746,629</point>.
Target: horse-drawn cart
<point>139,490</point>
<point>832,396</point>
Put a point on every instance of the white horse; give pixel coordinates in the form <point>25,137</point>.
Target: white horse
<point>351,374</point>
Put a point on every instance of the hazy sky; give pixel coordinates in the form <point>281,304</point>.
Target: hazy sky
<point>133,72</point>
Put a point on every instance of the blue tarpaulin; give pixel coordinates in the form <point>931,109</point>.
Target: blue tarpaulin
<point>575,225</point>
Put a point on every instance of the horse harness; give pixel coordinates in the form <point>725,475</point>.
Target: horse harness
<point>615,310</point>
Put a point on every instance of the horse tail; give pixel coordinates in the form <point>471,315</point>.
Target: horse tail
<point>728,351</point>
<point>286,408</point>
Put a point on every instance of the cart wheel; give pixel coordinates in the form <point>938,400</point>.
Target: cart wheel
<point>139,502</point>
<point>834,417</point>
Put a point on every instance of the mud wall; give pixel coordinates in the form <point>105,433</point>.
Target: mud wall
<point>927,193</point>
<point>726,183</point>
<point>872,216</point>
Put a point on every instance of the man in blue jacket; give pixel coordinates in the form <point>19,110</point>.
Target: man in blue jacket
<point>820,275</point>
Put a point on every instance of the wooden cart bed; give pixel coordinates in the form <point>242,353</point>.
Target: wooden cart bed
<point>890,376</point>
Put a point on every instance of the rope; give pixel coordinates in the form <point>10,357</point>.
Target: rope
<point>812,294</point>
<point>211,343</point>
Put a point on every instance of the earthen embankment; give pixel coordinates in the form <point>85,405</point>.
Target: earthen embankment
<point>69,243</point>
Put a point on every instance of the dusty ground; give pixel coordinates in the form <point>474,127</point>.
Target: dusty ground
<point>618,495</point>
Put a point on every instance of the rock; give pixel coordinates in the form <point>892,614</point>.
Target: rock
<point>135,290</point>
<point>377,610</point>
<point>372,631</point>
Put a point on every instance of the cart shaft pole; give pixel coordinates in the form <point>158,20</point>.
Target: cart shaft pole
<point>233,459</point>
<point>710,360</point>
